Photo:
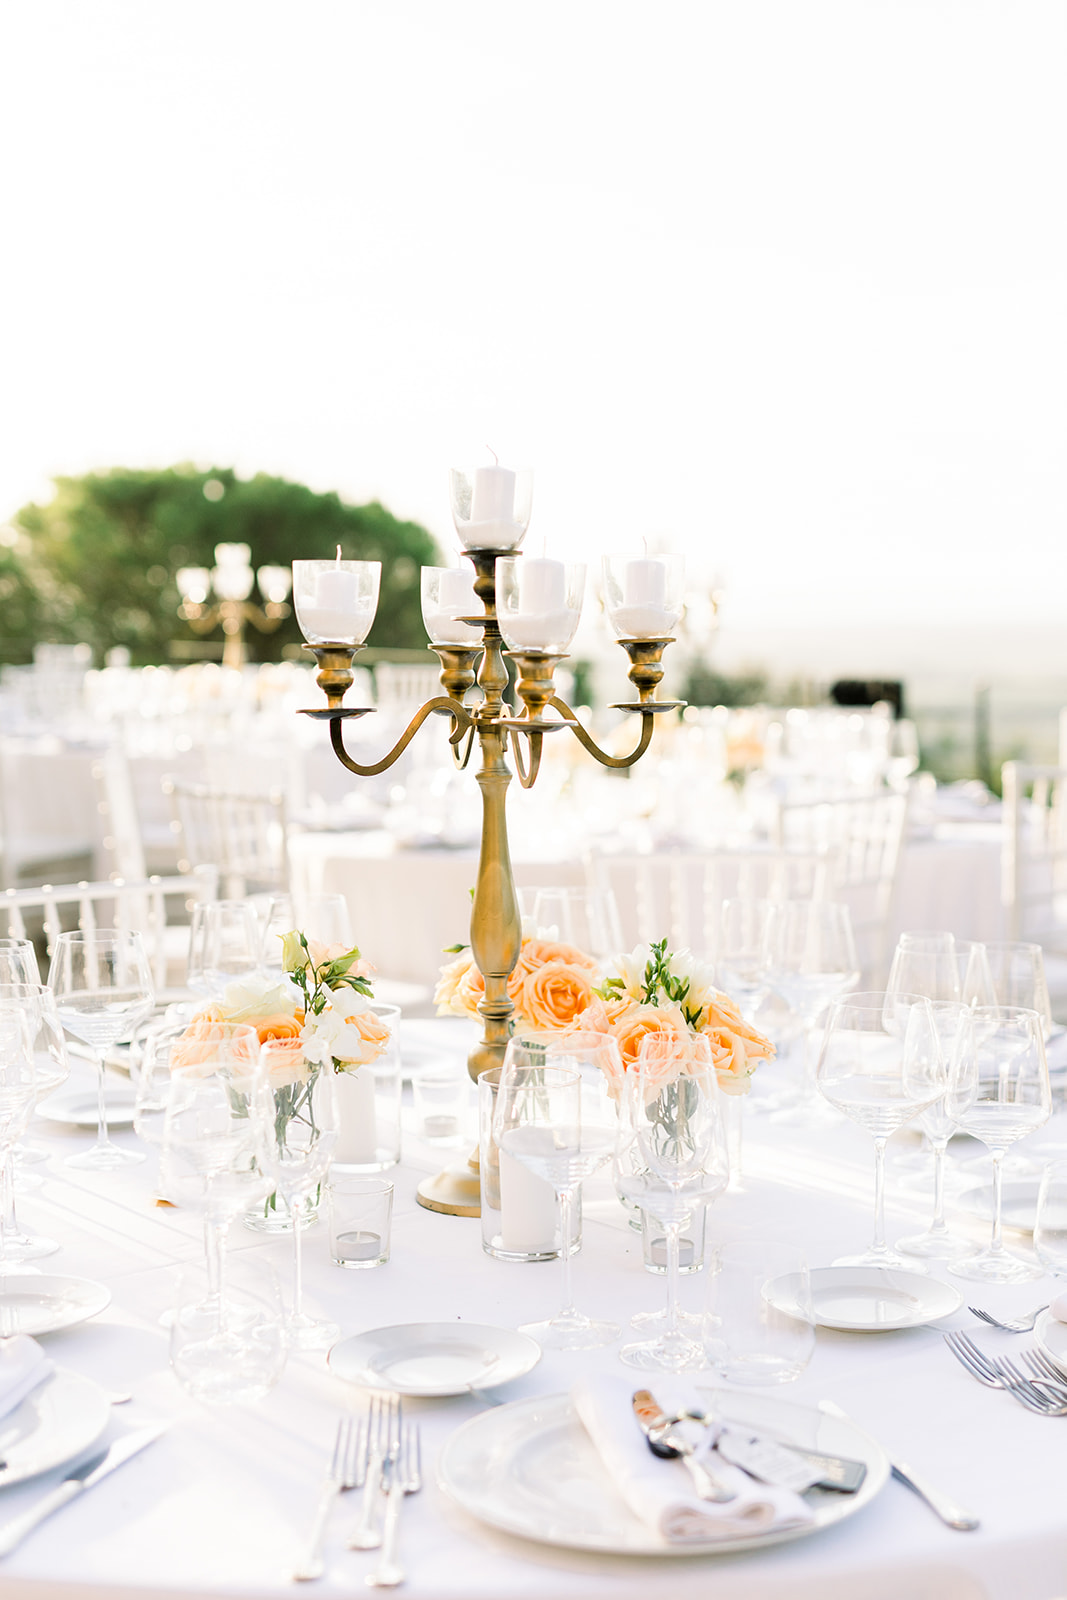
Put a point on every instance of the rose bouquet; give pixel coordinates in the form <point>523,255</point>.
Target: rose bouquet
<point>551,986</point>
<point>669,1000</point>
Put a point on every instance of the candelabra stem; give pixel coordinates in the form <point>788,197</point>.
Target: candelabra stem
<point>496,928</point>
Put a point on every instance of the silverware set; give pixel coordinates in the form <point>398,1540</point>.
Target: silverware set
<point>382,1456</point>
<point>1041,1388</point>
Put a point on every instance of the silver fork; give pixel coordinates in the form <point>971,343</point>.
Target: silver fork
<point>1047,1399</point>
<point>404,1472</point>
<point>1041,1367</point>
<point>976,1363</point>
<point>342,1473</point>
<point>1013,1324</point>
<point>383,1416</point>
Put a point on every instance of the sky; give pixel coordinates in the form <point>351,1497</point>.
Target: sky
<point>778,283</point>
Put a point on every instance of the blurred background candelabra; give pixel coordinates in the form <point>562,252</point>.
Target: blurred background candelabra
<point>220,596</point>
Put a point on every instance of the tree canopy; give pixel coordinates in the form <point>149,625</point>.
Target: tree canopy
<point>97,563</point>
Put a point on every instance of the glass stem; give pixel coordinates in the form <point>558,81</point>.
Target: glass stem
<point>996,1243</point>
<point>296,1210</point>
<point>214,1257</point>
<point>938,1225</point>
<point>567,1310</point>
<point>103,1137</point>
<point>878,1242</point>
<point>673,1238</point>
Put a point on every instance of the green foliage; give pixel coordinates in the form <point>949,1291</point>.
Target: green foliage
<point>706,687</point>
<point>21,606</point>
<point>100,558</point>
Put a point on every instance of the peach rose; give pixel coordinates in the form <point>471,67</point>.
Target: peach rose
<point>554,994</point>
<point>536,953</point>
<point>279,1027</point>
<point>737,1047</point>
<point>459,988</point>
<point>208,1040</point>
<point>284,1061</point>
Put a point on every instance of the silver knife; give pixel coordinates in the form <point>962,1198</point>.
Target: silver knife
<point>82,1477</point>
<point>952,1515</point>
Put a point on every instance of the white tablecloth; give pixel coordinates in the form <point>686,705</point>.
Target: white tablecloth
<point>220,1505</point>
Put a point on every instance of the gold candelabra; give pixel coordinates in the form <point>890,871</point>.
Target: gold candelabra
<point>495,928</point>
<point>232,581</point>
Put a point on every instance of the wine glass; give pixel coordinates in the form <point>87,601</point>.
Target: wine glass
<point>103,987</point>
<point>743,952</point>
<point>586,918</point>
<point>1050,1227</point>
<point>926,964</point>
<point>224,945</point>
<point>277,919</point>
<point>881,1065</point>
<point>543,1121</point>
<point>998,1091</point>
<point>976,978</point>
<point>214,1128</point>
<point>18,1090</point>
<point>51,1068</point>
<point>813,960</point>
<point>18,962</point>
<point>939,1243</point>
<point>152,1079</point>
<point>673,1102</point>
<point>326,919</point>
<point>1018,974</point>
<point>301,1132</point>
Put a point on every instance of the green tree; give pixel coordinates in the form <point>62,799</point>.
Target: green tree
<point>100,558</point>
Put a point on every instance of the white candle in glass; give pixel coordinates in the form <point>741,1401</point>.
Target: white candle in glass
<point>492,524</point>
<point>644,613</point>
<point>543,617</point>
<point>527,1208</point>
<point>357,1137</point>
<point>455,599</point>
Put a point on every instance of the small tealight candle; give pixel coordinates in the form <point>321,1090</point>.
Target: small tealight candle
<point>358,1246</point>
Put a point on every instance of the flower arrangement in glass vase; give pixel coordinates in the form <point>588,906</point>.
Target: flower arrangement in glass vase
<point>316,1018</point>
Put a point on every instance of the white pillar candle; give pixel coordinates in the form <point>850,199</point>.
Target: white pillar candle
<point>455,593</point>
<point>542,587</point>
<point>527,1209</point>
<point>644,583</point>
<point>335,611</point>
<point>493,495</point>
<point>357,1137</point>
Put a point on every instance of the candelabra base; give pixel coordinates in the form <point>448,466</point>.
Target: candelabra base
<point>456,1191</point>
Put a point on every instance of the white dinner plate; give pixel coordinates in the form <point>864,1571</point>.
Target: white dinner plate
<point>434,1358</point>
<point>869,1299</point>
<point>78,1108</point>
<point>1018,1207</point>
<point>61,1417</point>
<point>1050,1335</point>
<point>39,1302</point>
<point>531,1469</point>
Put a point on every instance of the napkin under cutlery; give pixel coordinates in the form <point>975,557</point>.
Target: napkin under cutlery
<point>660,1492</point>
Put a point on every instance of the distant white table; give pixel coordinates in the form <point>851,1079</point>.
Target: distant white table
<point>219,1506</point>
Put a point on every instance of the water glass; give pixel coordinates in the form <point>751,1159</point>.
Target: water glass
<point>225,945</point>
<point>361,1216</point>
<point>518,1210</point>
<point>1050,1229</point>
<point>759,1326</point>
<point>231,1355</point>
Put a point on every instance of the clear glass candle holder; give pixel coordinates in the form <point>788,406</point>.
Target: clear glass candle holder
<point>644,596</point>
<point>491,505</point>
<point>538,602</point>
<point>369,1098</point>
<point>336,601</point>
<point>361,1214</point>
<point>448,594</point>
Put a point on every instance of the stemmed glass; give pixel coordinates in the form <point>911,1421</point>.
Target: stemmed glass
<point>673,1102</point>
<point>225,945</point>
<point>1018,975</point>
<point>813,960</point>
<point>543,1121</point>
<point>926,964</point>
<point>976,978</point>
<point>49,1052</point>
<point>587,918</point>
<point>103,987</point>
<point>939,1243</point>
<point>742,955</point>
<point>301,1132</point>
<point>881,1065</point>
<point>18,1090</point>
<point>18,962</point>
<point>214,1128</point>
<point>998,1091</point>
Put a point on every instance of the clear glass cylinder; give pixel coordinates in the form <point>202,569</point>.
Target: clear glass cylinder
<point>447,595</point>
<point>644,596</point>
<point>520,1217</point>
<point>538,602</point>
<point>491,506</point>
<point>336,601</point>
<point>369,1102</point>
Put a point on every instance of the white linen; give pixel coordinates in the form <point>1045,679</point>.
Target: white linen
<point>23,1365</point>
<point>661,1492</point>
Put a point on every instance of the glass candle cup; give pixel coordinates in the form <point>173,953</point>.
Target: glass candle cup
<point>336,601</point>
<point>644,595</point>
<point>361,1216</point>
<point>491,505</point>
<point>448,594</point>
<point>538,602</point>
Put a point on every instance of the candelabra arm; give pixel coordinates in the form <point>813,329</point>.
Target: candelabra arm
<point>440,703</point>
<point>527,777</point>
<point>589,743</point>
<point>461,753</point>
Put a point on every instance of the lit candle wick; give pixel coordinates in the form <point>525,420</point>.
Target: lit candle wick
<point>338,557</point>
<point>492,452</point>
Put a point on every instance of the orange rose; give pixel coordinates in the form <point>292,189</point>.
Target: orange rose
<point>536,953</point>
<point>737,1047</point>
<point>207,1040</point>
<point>554,994</point>
<point>278,1027</point>
<point>459,988</point>
<point>284,1059</point>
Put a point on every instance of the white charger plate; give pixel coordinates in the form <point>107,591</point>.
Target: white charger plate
<point>61,1417</point>
<point>78,1108</point>
<point>434,1358</point>
<point>531,1469</point>
<point>39,1302</point>
<point>1050,1335</point>
<point>868,1299</point>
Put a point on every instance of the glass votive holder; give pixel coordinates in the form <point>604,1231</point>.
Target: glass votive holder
<point>644,595</point>
<point>447,595</point>
<point>361,1216</point>
<point>441,1103</point>
<point>538,602</point>
<point>520,1214</point>
<point>491,506</point>
<point>691,1245</point>
<point>759,1325</point>
<point>335,601</point>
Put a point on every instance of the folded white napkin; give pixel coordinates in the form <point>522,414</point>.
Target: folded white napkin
<point>23,1365</point>
<point>1059,1308</point>
<point>661,1492</point>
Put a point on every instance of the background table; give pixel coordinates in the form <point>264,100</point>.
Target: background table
<point>219,1506</point>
